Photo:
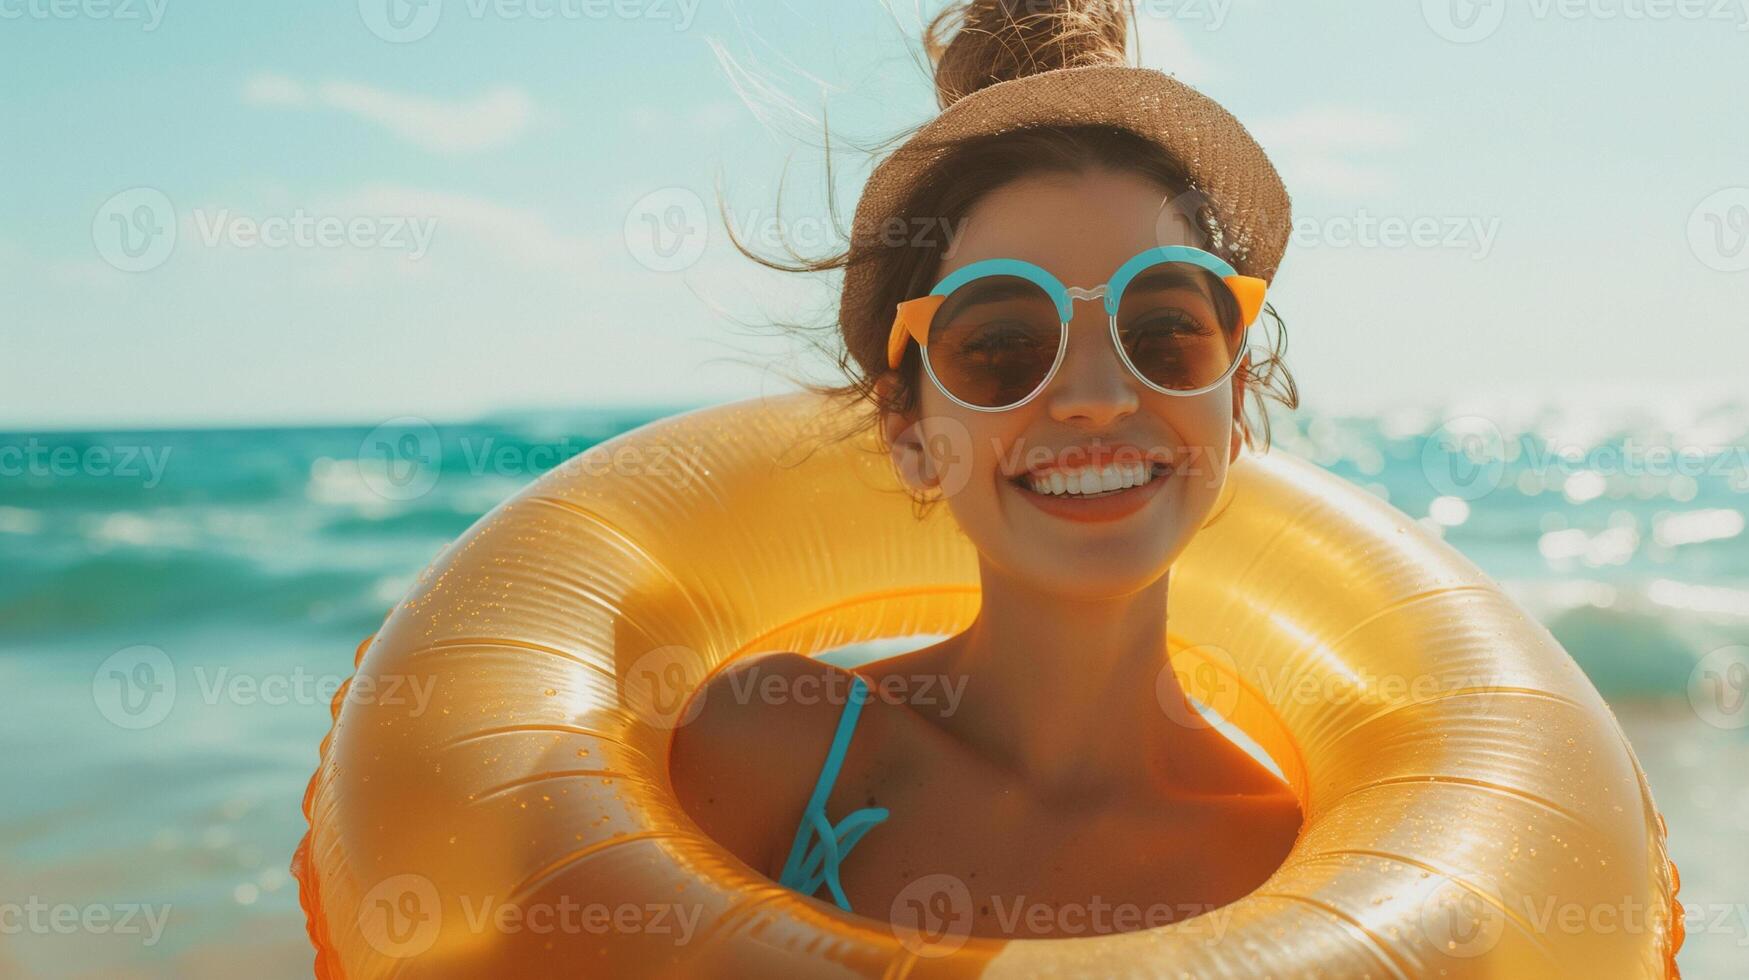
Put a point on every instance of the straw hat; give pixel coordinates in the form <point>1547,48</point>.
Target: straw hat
<point>1225,164</point>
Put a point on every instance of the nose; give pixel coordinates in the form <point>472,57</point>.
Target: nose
<point>1092,388</point>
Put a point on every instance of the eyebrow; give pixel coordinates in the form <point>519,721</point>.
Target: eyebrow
<point>1167,276</point>
<point>994,289</point>
<point>987,291</point>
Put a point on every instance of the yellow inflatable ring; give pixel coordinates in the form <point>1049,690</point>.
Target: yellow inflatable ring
<point>1471,806</point>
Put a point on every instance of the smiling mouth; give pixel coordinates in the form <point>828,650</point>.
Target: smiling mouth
<point>1092,483</point>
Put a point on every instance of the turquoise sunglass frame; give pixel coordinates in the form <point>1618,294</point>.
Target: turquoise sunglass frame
<point>915,315</point>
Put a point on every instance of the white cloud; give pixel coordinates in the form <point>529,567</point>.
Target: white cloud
<point>1164,46</point>
<point>706,119</point>
<point>522,234</point>
<point>1336,128</point>
<point>1327,148</point>
<point>491,119</point>
<point>268,89</point>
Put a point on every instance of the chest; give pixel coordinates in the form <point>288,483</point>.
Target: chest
<point>973,853</point>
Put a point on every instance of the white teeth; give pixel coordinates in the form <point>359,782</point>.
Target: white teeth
<point>1116,476</point>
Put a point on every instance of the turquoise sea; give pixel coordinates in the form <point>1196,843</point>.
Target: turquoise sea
<point>176,608</point>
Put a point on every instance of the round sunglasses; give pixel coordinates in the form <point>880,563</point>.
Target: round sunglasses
<point>993,333</point>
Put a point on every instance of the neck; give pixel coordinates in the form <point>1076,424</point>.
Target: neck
<point>1066,692</point>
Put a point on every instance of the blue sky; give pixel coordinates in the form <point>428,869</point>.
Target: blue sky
<point>1578,174</point>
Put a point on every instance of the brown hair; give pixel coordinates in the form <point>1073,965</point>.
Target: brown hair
<point>994,41</point>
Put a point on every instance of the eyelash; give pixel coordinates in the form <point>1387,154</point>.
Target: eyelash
<point>1190,324</point>
<point>982,342</point>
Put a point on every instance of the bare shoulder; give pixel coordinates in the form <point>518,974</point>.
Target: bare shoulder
<point>747,758</point>
<point>1238,787</point>
<point>1260,801</point>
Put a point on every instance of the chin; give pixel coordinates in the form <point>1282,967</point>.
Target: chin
<point>1098,572</point>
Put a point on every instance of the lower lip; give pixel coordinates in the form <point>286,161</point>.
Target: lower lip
<point>1105,507</point>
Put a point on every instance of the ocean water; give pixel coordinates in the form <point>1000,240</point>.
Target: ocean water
<point>241,568</point>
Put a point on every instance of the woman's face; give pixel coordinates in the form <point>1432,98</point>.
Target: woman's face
<point>1081,228</point>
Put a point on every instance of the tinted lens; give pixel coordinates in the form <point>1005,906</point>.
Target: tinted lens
<point>1179,324</point>
<point>993,340</point>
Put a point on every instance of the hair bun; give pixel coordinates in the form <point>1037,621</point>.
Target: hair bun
<point>1000,40</point>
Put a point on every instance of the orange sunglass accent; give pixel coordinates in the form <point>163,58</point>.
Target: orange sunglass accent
<point>915,315</point>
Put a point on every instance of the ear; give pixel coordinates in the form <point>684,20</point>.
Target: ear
<point>905,442</point>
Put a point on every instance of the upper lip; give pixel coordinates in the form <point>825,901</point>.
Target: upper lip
<point>1096,454</point>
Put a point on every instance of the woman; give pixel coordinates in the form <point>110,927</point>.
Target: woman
<point>1057,279</point>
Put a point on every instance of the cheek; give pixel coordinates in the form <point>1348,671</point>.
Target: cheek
<point>961,448</point>
<point>974,448</point>
<point>1205,419</point>
<point>1203,425</point>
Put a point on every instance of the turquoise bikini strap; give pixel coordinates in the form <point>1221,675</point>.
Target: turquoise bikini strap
<point>840,743</point>
<point>804,871</point>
